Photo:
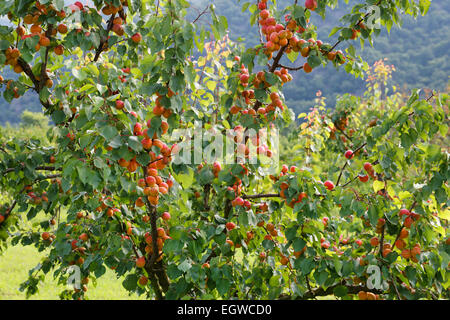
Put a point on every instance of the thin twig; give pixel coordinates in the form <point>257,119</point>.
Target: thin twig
<point>201,14</point>
<point>360,20</point>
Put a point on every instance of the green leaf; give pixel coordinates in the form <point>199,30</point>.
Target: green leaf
<point>4,44</point>
<point>378,185</point>
<point>314,61</point>
<point>223,285</point>
<point>108,132</point>
<point>83,173</point>
<point>292,56</point>
<point>135,144</point>
<point>130,282</point>
<point>333,31</point>
<point>185,266</point>
<point>299,244</point>
<point>340,291</point>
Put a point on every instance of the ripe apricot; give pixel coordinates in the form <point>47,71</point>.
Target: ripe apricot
<point>371,296</point>
<point>374,241</point>
<point>362,295</point>
<point>307,68</point>
<point>35,29</point>
<point>59,50</point>
<point>406,254</point>
<point>403,233</point>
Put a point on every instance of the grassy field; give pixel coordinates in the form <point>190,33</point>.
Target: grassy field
<point>14,266</point>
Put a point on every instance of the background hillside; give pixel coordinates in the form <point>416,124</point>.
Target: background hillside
<point>419,52</point>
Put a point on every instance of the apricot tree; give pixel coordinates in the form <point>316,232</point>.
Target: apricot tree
<point>121,78</point>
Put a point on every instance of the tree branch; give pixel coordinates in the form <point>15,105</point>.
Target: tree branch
<point>44,75</point>
<point>207,191</point>
<point>103,41</point>
<point>258,196</point>
<point>330,291</point>
<point>346,163</point>
<point>340,174</point>
<point>201,14</point>
<point>277,59</point>
<point>290,68</point>
<point>360,20</point>
<point>43,168</point>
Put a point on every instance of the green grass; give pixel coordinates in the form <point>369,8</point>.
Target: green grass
<point>16,261</point>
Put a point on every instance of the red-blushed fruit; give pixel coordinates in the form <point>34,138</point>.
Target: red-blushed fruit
<point>216,167</point>
<point>137,37</point>
<point>415,250</point>
<point>120,104</point>
<point>161,232</point>
<point>325,221</point>
<point>238,202</point>
<point>368,167</point>
<point>137,128</point>
<point>408,222</point>
<point>143,280</point>
<point>301,196</point>
<point>264,14</point>
<point>306,67</point>
<point>2,218</point>
<point>152,172</point>
<point>355,34</point>
<point>141,183</point>
<point>404,212</point>
<point>270,227</point>
<point>363,178</point>
<point>45,235</point>
<point>359,242</point>
<point>329,185</point>
<point>403,233</point>
<point>151,181</point>
<point>139,202</point>
<point>311,4</point>
<point>165,216</point>
<point>59,49</point>
<point>371,296</point>
<point>79,5</point>
<point>374,241</point>
<point>262,256</point>
<point>386,251</point>
<point>147,143</point>
<point>400,244</point>
<point>325,244</point>
<point>140,262</point>
<point>406,254</point>
<point>348,154</point>
<point>62,28</point>
<point>284,260</point>
<point>205,265</point>
<point>230,226</point>
<point>84,237</point>
<point>362,295</point>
